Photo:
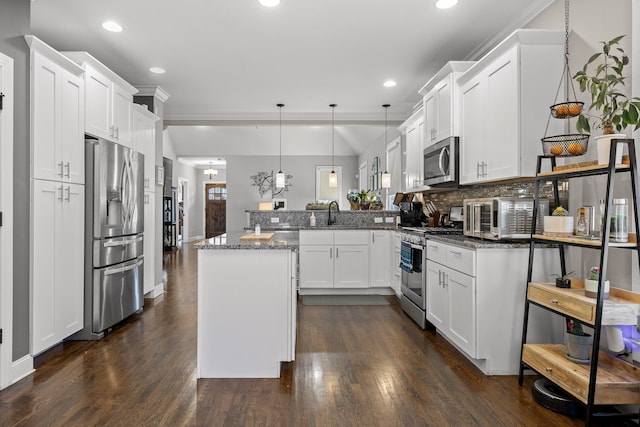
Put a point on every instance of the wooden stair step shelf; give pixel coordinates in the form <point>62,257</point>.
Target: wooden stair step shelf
<point>617,382</point>
<point>259,237</point>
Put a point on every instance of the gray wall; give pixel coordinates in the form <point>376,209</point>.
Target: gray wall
<point>15,22</point>
<point>243,196</point>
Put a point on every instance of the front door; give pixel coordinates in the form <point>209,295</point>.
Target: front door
<point>215,209</point>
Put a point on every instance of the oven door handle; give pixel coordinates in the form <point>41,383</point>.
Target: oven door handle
<point>111,271</point>
<point>419,247</point>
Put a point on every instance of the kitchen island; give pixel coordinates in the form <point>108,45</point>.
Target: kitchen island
<point>246,305</point>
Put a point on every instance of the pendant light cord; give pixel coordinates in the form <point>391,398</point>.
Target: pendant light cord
<point>280,107</point>
<point>333,127</point>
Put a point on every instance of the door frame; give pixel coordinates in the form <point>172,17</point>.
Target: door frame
<point>184,185</point>
<point>204,202</point>
<point>6,231</point>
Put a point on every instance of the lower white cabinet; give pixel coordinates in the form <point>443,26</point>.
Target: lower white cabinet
<point>57,262</point>
<point>334,259</point>
<point>380,252</point>
<point>474,299</point>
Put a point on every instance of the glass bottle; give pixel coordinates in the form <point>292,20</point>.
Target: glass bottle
<point>582,228</point>
<point>619,220</point>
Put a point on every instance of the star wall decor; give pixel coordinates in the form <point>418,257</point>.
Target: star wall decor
<point>265,181</point>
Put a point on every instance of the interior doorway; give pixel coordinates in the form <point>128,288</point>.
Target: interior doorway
<point>215,196</point>
<point>183,208</point>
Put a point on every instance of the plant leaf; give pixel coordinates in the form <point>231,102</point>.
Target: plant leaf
<point>593,58</point>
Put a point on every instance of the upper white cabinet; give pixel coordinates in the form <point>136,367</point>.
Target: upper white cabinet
<point>109,100</point>
<point>57,115</point>
<point>505,106</point>
<point>413,132</point>
<point>441,102</point>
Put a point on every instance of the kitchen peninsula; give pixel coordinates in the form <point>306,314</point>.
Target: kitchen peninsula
<point>246,305</point>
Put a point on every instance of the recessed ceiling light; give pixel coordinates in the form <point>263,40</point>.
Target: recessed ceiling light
<point>269,3</point>
<point>157,70</point>
<point>446,4</point>
<point>389,83</point>
<point>114,27</point>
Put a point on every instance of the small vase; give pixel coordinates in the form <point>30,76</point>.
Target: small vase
<point>603,143</point>
<point>591,288</point>
<point>558,225</point>
<point>579,347</point>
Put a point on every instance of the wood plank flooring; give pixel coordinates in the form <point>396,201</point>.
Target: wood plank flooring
<point>355,366</point>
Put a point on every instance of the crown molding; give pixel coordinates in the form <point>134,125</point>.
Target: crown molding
<point>155,91</point>
<point>253,119</point>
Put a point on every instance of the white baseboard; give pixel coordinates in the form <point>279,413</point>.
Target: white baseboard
<point>21,368</point>
<point>156,292</point>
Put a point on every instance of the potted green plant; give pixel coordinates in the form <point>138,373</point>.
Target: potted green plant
<point>591,284</point>
<point>578,342</point>
<point>563,280</point>
<point>602,76</point>
<point>560,223</point>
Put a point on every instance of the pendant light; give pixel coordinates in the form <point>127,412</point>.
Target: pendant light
<point>211,171</point>
<point>333,176</point>
<point>385,180</point>
<point>280,177</point>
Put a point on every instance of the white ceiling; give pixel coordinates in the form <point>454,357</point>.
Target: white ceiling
<point>229,62</point>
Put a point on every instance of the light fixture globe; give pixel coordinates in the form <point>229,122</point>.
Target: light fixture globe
<point>211,172</point>
<point>280,177</point>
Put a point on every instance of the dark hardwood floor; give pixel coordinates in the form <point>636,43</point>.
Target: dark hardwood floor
<point>355,366</point>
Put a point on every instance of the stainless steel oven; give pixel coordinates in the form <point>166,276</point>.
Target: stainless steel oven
<point>413,283</point>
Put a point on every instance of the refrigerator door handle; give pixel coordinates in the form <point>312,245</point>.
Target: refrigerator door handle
<point>111,271</point>
<point>123,242</point>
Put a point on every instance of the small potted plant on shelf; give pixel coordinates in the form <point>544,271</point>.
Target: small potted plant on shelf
<point>578,342</point>
<point>563,280</point>
<point>605,86</point>
<point>559,223</point>
<point>591,284</point>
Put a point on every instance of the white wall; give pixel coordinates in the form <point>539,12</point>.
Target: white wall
<point>243,196</point>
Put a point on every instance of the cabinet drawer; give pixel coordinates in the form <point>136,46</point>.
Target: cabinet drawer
<point>462,260</point>
<point>437,251</point>
<point>316,237</point>
<point>351,237</point>
<point>563,302</point>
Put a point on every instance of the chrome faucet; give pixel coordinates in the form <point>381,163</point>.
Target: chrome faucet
<point>333,221</point>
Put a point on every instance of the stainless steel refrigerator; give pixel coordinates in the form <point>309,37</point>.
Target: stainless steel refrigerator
<point>114,227</point>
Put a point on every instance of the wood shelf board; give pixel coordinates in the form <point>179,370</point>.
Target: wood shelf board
<point>262,236</point>
<point>617,382</point>
<point>587,242</point>
<point>585,167</point>
<point>621,308</point>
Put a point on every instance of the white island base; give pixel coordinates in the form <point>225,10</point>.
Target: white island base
<point>246,312</point>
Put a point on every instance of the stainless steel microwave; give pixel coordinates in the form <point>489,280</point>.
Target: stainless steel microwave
<point>500,218</point>
<point>441,163</point>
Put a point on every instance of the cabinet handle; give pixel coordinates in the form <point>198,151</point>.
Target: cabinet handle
<point>60,198</point>
<point>455,252</point>
<point>60,165</point>
<point>117,130</point>
<point>68,199</point>
<point>68,166</point>
<point>337,253</point>
<point>330,252</point>
<point>111,131</point>
<point>373,237</point>
<point>484,170</point>
<point>439,278</point>
<point>477,169</point>
<point>554,301</point>
<point>445,279</point>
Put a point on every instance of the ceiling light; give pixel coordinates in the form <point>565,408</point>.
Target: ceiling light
<point>157,70</point>
<point>269,3</point>
<point>386,176</point>
<point>446,4</point>
<point>333,176</point>
<point>280,178</point>
<point>389,83</point>
<point>211,171</point>
<point>114,27</point>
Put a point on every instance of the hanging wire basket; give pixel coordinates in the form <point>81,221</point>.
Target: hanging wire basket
<point>570,144</point>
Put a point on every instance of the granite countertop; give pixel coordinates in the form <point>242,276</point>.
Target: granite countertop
<point>383,226</point>
<point>287,240</point>
<point>473,243</point>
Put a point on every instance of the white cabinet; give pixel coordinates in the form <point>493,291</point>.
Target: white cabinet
<point>148,247</point>
<point>413,131</point>
<point>57,197</point>
<point>57,263</point>
<point>334,259</point>
<point>109,100</point>
<point>451,295</point>
<point>505,106</point>
<point>474,299</point>
<point>380,249</point>
<point>57,115</point>
<point>441,102</point>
